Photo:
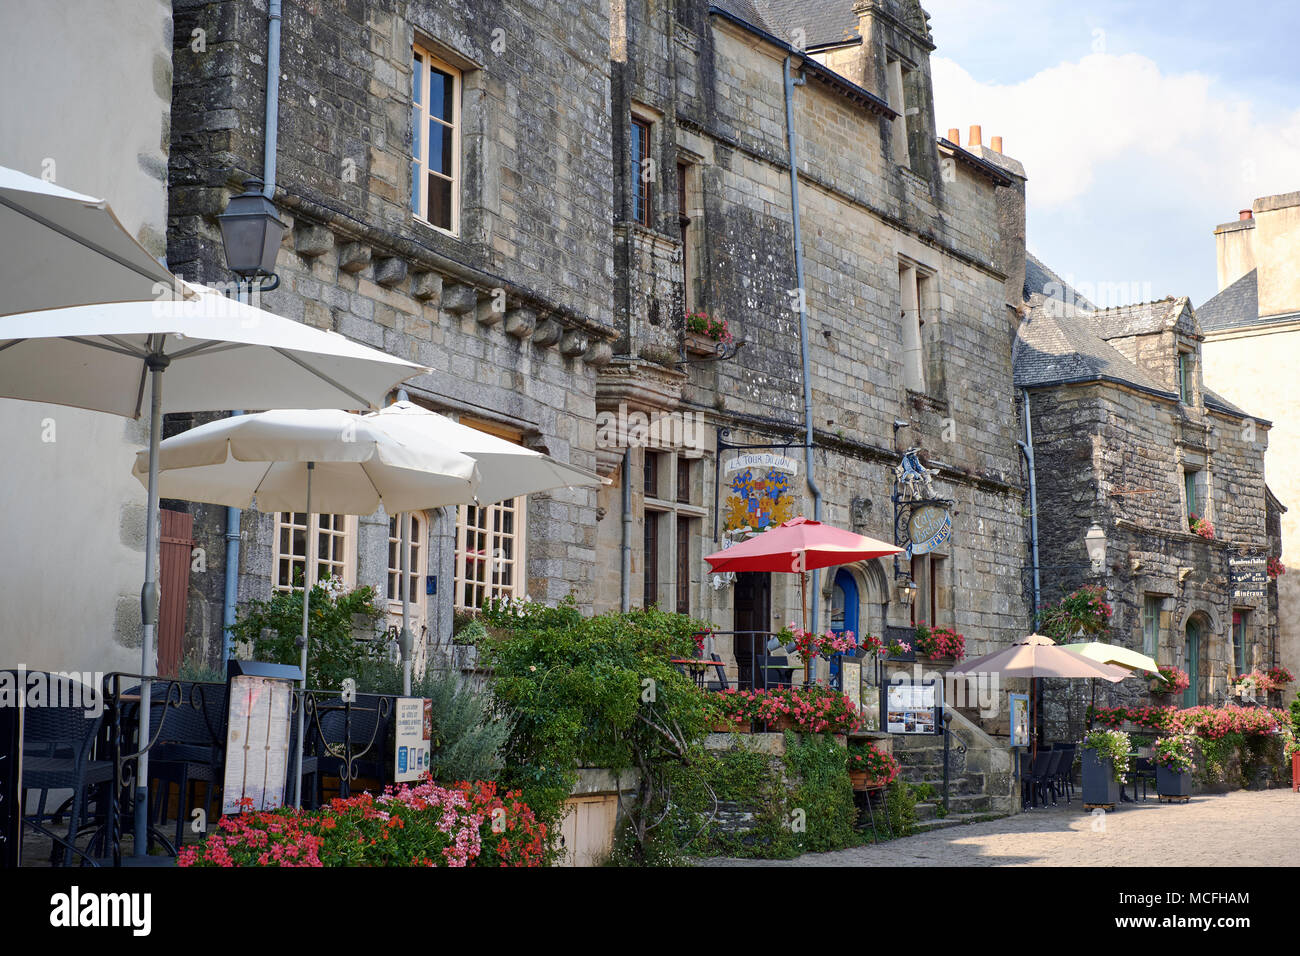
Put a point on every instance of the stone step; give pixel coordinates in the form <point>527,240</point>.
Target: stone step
<point>955,820</point>
<point>927,811</point>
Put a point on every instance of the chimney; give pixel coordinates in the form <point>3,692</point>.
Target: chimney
<point>954,136</point>
<point>997,144</point>
<point>1245,214</point>
<point>975,134</point>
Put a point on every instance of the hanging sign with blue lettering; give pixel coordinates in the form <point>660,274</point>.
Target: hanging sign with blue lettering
<point>929,527</point>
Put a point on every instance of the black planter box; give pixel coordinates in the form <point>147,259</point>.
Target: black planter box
<point>1171,784</point>
<point>1099,783</point>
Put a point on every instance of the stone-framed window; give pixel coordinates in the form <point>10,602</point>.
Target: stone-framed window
<point>1186,377</point>
<point>1151,606</point>
<point>897,82</point>
<point>435,140</point>
<point>640,131</point>
<point>491,542</point>
<point>333,549</point>
<point>933,600</point>
<point>915,285</point>
<point>1240,629</point>
<point>416,569</point>
<point>671,530</point>
<point>1196,490</point>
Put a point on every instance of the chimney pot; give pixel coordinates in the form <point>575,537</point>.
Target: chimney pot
<point>997,144</point>
<point>954,136</point>
<point>975,134</point>
<point>1245,214</point>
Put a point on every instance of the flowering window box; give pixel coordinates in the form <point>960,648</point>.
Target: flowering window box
<point>698,344</point>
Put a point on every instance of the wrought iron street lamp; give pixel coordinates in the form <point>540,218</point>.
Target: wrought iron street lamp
<point>251,232</point>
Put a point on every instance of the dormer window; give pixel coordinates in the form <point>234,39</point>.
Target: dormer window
<point>1186,393</point>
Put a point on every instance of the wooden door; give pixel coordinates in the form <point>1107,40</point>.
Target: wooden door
<point>175,545</point>
<point>752,613</point>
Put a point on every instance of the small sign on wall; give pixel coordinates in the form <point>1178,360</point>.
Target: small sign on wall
<point>414,738</point>
<point>1019,704</point>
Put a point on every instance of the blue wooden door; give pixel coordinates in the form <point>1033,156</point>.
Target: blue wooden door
<point>844,614</point>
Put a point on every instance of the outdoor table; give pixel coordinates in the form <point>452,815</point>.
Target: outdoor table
<point>698,666</point>
<point>781,667</point>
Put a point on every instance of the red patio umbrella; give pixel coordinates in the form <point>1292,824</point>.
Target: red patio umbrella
<point>798,546</point>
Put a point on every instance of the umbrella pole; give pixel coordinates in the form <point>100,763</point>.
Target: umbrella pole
<point>803,599</point>
<point>306,602</point>
<point>1033,720</point>
<point>405,642</point>
<point>148,604</point>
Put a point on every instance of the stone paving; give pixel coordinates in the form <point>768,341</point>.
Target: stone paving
<point>1243,828</point>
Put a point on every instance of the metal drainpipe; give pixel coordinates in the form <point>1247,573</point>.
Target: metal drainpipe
<point>802,301</point>
<point>271,126</point>
<point>625,570</point>
<point>1027,449</point>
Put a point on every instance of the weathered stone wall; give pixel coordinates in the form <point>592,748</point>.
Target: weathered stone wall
<point>513,315</point>
<point>1108,455</point>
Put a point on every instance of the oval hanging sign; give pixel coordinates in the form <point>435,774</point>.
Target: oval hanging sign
<point>928,527</point>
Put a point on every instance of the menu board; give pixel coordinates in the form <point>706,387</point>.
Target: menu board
<point>913,708</point>
<point>851,680</point>
<point>1019,719</point>
<point>414,738</point>
<point>257,744</point>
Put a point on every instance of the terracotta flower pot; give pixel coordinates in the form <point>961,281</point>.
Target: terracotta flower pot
<point>780,723</point>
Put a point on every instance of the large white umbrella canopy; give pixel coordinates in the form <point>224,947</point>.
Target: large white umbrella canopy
<point>506,470</point>
<point>60,248</point>
<point>262,459</point>
<point>1124,657</point>
<point>311,461</point>
<point>226,355</point>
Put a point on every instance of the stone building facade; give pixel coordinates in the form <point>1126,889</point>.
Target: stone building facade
<point>910,324</point>
<point>495,271</point>
<point>615,170</point>
<point>1130,442</point>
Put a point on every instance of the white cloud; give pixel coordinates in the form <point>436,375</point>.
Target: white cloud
<point>1085,128</point>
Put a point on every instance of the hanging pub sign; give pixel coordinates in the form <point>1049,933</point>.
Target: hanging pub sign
<point>760,490</point>
<point>1249,575</point>
<point>928,528</point>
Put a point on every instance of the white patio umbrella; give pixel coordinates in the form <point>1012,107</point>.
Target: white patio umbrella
<point>229,355</point>
<point>506,470</point>
<point>59,248</point>
<point>312,461</point>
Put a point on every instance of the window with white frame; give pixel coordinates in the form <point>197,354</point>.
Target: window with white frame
<point>1151,625</point>
<point>435,141</point>
<point>329,539</point>
<point>416,569</point>
<point>490,543</point>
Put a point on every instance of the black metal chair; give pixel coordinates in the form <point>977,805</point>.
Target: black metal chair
<point>1144,773</point>
<point>369,735</point>
<point>190,750</point>
<point>1039,777</point>
<point>1065,769</point>
<point>58,746</point>
<point>772,670</point>
<point>721,683</point>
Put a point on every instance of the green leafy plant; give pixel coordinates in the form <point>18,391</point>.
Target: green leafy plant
<point>1112,744</point>
<point>1082,612</point>
<point>272,628</point>
<point>824,793</point>
<point>595,692</point>
<point>900,804</point>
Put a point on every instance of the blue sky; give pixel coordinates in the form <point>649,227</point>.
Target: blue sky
<point>1141,125</point>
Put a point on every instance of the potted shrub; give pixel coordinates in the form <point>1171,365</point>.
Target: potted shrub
<point>1173,760</point>
<point>1105,761</point>
<point>897,650</point>
<point>870,768</point>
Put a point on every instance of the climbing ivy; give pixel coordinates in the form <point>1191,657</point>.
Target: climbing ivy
<point>824,793</point>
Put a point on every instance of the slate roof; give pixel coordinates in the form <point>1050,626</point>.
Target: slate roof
<point>1039,279</point>
<point>824,22</point>
<point>1056,345</point>
<point>1236,305</point>
<point>1143,318</point>
<point>747,11</point>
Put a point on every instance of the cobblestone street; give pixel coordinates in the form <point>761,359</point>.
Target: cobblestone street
<point>1243,828</point>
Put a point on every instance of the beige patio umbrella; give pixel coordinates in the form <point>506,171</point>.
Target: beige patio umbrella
<point>1037,656</point>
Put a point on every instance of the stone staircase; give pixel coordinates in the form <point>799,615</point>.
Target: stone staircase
<point>980,781</point>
